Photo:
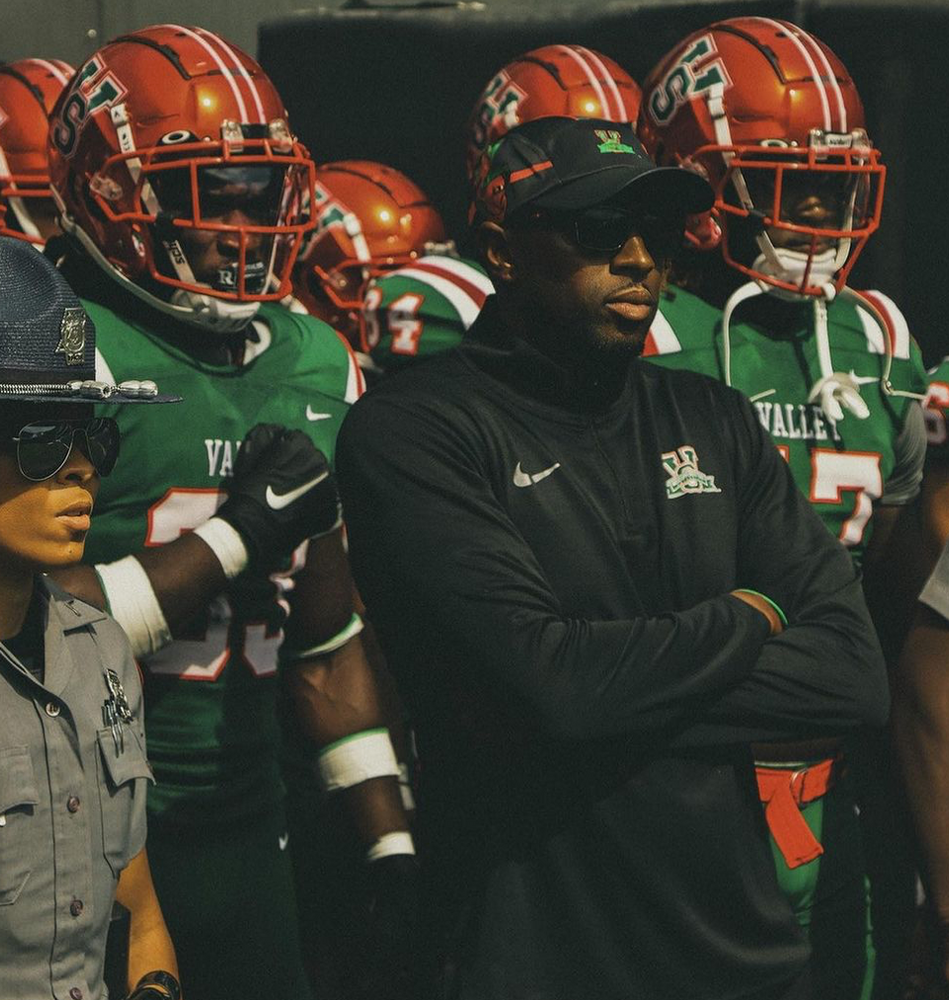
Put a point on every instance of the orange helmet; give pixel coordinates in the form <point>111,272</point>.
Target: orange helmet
<point>169,136</point>
<point>370,218</point>
<point>28,91</point>
<point>770,116</point>
<point>553,80</point>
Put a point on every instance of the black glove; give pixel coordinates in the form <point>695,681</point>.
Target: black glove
<point>282,493</point>
<point>392,966</point>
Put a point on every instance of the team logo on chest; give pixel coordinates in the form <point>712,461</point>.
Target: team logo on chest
<point>682,468</point>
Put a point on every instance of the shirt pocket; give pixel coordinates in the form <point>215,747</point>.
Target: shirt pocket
<point>18,802</point>
<point>123,778</point>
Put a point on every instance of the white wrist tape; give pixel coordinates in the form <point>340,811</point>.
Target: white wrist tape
<point>225,542</point>
<point>357,758</point>
<point>391,843</point>
<point>354,627</point>
<point>133,604</point>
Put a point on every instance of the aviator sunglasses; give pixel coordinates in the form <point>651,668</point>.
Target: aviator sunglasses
<point>43,447</point>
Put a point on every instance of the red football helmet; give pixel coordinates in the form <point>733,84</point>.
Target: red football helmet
<point>173,164</point>
<point>552,80</point>
<point>772,118</point>
<point>369,218</point>
<point>28,91</point>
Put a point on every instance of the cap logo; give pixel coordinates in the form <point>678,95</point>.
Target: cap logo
<point>611,141</point>
<point>72,335</point>
<point>695,72</point>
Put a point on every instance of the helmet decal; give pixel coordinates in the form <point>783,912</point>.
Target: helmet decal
<point>92,90</point>
<point>695,72</point>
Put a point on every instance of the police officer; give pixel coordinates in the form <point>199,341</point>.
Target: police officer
<point>73,771</point>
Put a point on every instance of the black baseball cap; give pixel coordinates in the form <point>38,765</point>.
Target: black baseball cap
<point>570,164</point>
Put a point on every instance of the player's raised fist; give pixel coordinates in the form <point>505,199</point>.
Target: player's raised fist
<point>282,492</point>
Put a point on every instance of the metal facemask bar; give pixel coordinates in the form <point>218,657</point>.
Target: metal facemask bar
<point>21,212</point>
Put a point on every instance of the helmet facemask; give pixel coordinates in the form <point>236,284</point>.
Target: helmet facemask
<point>215,225</point>
<point>796,219</point>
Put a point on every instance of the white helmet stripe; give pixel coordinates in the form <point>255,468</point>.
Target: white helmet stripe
<point>831,78</point>
<point>242,71</point>
<point>227,74</point>
<point>56,71</point>
<point>822,93</point>
<point>591,77</point>
<point>608,80</point>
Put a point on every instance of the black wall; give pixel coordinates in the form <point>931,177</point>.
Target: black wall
<point>397,84</point>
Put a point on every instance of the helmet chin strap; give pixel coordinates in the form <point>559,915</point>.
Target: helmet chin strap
<point>203,311</point>
<point>836,391</point>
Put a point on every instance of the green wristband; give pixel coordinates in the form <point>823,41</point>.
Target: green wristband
<point>764,597</point>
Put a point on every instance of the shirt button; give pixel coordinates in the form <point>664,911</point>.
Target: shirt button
<point>72,803</point>
<point>76,993</point>
<point>75,907</point>
<point>52,709</point>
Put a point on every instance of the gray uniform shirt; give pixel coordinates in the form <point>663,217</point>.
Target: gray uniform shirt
<point>72,803</point>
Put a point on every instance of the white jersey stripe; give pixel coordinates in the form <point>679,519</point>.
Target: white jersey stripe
<point>591,77</point>
<point>228,75</point>
<point>815,75</point>
<point>876,336</point>
<point>464,271</point>
<point>831,79</point>
<point>103,371</point>
<point>467,308</point>
<point>51,67</point>
<point>663,336</point>
<point>898,324</point>
<point>608,80</point>
<point>242,71</point>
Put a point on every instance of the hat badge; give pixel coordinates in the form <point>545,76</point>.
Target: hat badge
<point>72,335</point>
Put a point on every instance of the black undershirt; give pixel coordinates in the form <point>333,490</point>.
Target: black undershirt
<point>27,645</point>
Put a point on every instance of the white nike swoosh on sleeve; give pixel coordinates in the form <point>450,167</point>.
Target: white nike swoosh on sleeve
<point>277,501</point>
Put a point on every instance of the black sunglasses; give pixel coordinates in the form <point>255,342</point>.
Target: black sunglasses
<point>43,447</point>
<point>607,230</point>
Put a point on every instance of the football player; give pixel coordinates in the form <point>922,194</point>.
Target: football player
<point>218,547</point>
<point>28,91</point>
<point>771,117</point>
<point>920,719</point>
<point>370,219</point>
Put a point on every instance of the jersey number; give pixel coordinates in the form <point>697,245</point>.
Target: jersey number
<point>401,318</point>
<point>203,658</point>
<point>834,473</point>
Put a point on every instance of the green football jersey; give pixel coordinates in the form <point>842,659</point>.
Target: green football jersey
<point>422,309</point>
<point>210,697</point>
<point>936,410</point>
<point>843,467</point>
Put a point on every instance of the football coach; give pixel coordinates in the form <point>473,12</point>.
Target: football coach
<point>597,584</point>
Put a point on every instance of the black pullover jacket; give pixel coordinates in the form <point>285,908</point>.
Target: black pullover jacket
<point>548,568</point>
